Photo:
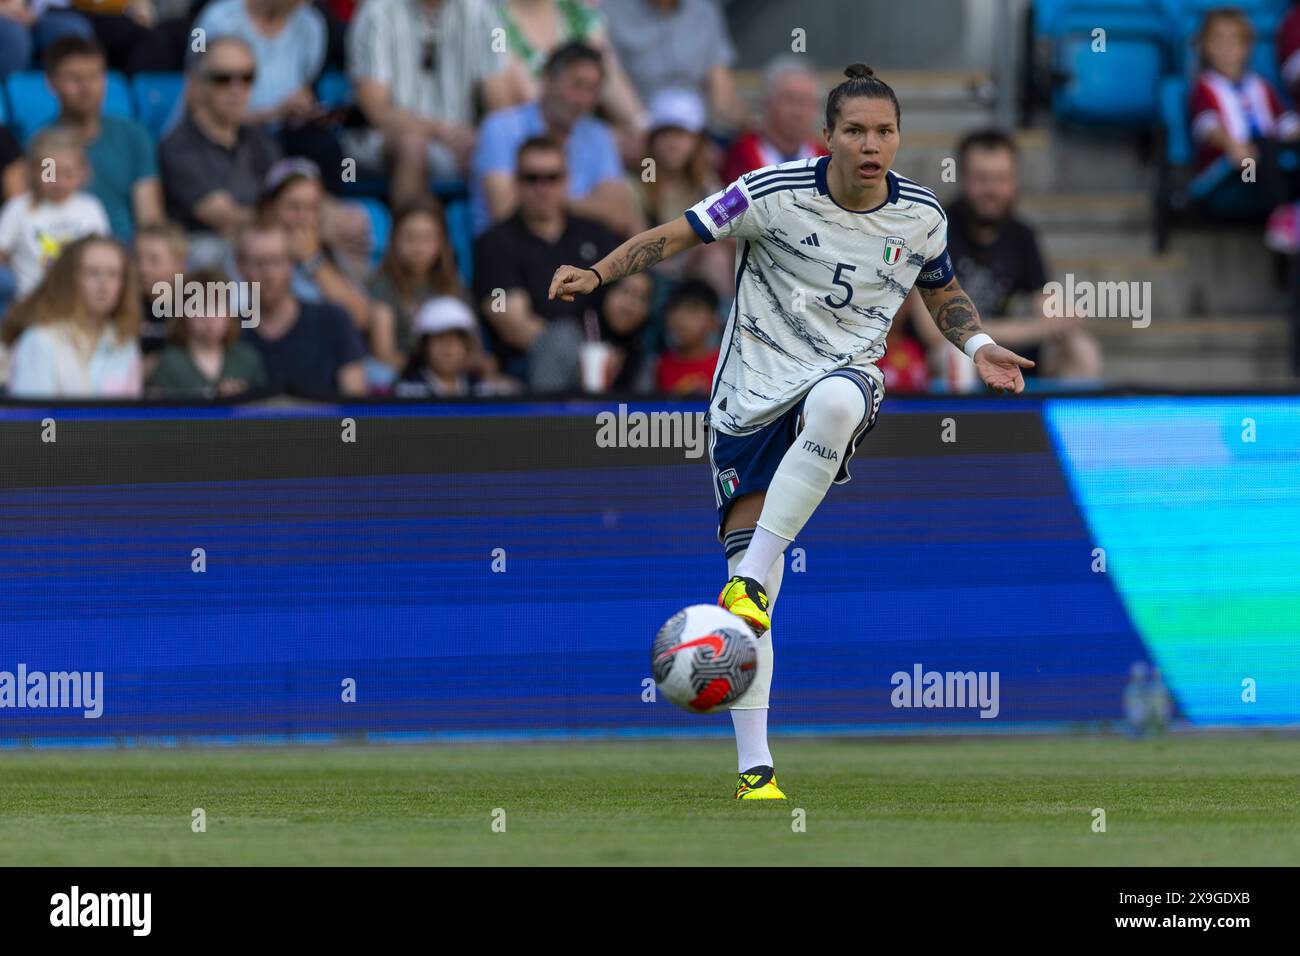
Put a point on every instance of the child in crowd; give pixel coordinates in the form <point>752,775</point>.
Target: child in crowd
<point>77,333</point>
<point>35,225</point>
<point>691,320</point>
<point>160,252</point>
<point>684,172</point>
<point>419,264</point>
<point>445,354</point>
<point>624,316</point>
<point>206,357</point>
<point>1237,116</point>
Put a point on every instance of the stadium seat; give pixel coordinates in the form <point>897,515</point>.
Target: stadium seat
<point>155,96</point>
<point>460,230</point>
<point>333,89</point>
<point>34,104</point>
<point>1048,15</point>
<point>1122,93</point>
<point>1173,116</point>
<point>381,224</point>
<point>1120,86</point>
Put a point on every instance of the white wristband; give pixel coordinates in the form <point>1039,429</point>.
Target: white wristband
<point>977,342</point>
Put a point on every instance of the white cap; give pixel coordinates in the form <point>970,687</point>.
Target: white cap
<point>443,313</point>
<point>680,108</point>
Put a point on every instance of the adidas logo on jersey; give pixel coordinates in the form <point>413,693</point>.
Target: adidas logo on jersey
<point>810,240</point>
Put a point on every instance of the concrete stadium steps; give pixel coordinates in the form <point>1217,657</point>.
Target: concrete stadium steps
<point>1182,284</point>
<point>1100,162</point>
<point>1229,270</point>
<point>1169,293</point>
<point>941,101</point>
<point>1073,224</point>
<point>1221,350</point>
<point>945,102</point>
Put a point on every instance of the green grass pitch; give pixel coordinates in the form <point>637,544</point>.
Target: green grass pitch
<point>1223,800</point>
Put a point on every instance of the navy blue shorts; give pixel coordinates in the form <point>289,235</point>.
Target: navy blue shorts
<point>744,464</point>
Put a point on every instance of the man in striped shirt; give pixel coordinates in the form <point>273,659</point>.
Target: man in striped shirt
<point>418,66</point>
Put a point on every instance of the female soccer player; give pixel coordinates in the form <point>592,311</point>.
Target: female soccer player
<point>828,249</point>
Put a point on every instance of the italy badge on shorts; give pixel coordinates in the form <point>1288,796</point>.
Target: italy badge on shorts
<point>730,481</point>
<point>893,249</point>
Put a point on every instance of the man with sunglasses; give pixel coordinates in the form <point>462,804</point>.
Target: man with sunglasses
<point>213,163</point>
<point>536,338</point>
<point>597,189</point>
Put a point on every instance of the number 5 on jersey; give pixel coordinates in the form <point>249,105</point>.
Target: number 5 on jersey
<point>838,280</point>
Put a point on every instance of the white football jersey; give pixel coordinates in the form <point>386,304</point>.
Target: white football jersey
<point>817,285</point>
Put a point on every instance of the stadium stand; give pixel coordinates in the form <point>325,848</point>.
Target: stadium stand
<point>1121,88</point>
<point>155,96</point>
<point>1106,174</point>
<point>34,104</point>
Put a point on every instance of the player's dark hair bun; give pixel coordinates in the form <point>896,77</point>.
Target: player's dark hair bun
<point>862,81</point>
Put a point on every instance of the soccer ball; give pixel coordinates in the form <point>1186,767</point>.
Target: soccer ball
<point>704,658</point>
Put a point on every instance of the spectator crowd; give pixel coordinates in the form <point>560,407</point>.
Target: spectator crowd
<point>399,239</point>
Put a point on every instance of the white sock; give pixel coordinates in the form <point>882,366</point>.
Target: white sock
<point>751,728</point>
<point>833,411</point>
<point>764,548</point>
<point>751,739</point>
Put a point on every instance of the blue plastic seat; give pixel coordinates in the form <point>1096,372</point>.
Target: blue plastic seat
<point>155,96</point>
<point>334,89</point>
<point>1047,16</point>
<point>381,225</point>
<point>1173,114</point>
<point>1117,86</point>
<point>34,104</point>
<point>1057,18</point>
<point>460,231</point>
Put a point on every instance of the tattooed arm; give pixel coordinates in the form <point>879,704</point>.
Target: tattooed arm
<point>956,317</point>
<point>952,311</point>
<point>636,255</point>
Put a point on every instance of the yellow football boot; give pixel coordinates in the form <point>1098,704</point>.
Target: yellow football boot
<point>745,598</point>
<point>758,783</point>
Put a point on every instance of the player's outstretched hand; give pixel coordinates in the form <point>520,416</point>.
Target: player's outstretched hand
<point>1000,368</point>
<point>569,281</point>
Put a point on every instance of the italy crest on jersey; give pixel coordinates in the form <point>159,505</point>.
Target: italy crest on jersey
<point>893,249</point>
<point>730,482</point>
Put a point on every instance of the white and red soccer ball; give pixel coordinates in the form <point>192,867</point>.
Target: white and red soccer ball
<point>704,658</point>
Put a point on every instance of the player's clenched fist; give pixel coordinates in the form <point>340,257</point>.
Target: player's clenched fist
<point>569,281</point>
